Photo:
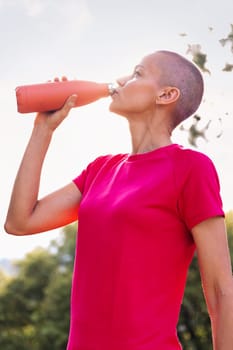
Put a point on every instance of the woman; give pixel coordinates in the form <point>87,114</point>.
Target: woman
<point>141,217</point>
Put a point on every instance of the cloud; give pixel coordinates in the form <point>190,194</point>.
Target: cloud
<point>34,7</point>
<point>67,19</point>
<point>37,33</point>
<point>75,12</point>
<point>76,15</point>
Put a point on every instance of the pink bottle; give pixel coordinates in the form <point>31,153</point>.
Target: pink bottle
<point>51,96</point>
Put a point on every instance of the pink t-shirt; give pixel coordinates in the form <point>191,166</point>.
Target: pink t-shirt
<point>134,246</point>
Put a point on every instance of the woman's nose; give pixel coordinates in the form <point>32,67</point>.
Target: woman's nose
<point>122,81</point>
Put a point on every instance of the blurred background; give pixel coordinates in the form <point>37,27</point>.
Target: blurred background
<point>98,40</point>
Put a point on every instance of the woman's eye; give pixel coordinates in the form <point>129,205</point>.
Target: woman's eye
<point>136,73</point>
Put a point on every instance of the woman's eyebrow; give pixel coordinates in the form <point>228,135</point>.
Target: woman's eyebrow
<point>139,66</point>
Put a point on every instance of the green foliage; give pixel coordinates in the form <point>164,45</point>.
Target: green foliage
<point>229,225</point>
<point>194,324</point>
<point>54,313</point>
<point>3,280</point>
<point>35,304</point>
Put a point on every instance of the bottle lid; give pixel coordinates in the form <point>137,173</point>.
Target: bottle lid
<point>112,88</point>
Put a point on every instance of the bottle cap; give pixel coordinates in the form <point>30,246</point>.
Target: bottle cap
<point>112,88</point>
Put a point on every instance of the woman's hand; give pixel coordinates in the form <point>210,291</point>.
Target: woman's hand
<point>53,119</point>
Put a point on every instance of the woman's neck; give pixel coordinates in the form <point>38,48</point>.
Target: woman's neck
<point>146,137</point>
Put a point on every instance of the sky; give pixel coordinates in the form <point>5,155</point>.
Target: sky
<point>102,40</point>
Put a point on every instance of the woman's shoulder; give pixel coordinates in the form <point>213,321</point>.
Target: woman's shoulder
<point>191,156</point>
<point>106,160</point>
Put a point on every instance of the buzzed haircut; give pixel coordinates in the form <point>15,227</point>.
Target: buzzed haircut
<point>179,72</point>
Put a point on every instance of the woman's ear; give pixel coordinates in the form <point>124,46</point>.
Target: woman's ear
<point>167,95</point>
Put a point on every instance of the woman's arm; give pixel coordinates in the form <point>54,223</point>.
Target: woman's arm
<point>216,274</point>
<point>27,214</point>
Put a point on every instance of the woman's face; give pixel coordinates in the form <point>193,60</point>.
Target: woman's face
<point>137,92</point>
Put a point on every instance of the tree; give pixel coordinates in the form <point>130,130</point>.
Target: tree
<point>34,305</point>
<point>53,322</point>
<point>229,225</point>
<point>194,325</point>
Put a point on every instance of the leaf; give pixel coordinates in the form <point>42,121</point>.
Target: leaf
<point>228,39</point>
<point>228,67</point>
<point>198,57</point>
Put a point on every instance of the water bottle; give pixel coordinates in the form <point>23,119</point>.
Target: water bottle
<point>51,96</point>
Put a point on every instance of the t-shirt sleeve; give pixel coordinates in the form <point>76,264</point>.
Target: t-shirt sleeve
<point>84,179</point>
<point>200,197</point>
